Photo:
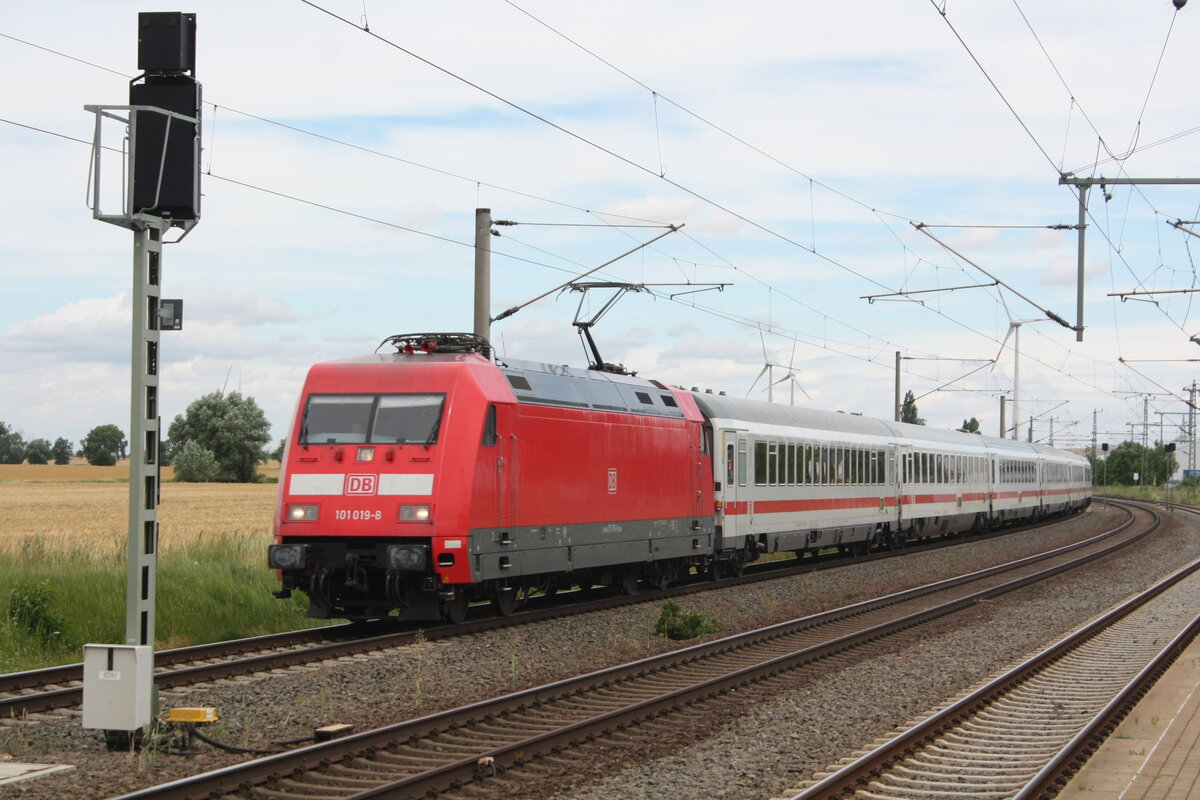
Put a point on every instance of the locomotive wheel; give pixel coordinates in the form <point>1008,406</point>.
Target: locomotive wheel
<point>665,574</point>
<point>629,582</point>
<point>504,603</point>
<point>454,610</point>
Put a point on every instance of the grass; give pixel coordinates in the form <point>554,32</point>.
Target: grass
<point>62,563</point>
<point>1178,494</point>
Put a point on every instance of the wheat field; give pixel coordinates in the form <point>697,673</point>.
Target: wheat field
<point>81,507</point>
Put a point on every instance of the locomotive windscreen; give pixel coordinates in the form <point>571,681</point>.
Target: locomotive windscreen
<point>373,419</point>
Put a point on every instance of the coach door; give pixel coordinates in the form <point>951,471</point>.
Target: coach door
<point>733,487</point>
<point>903,456</point>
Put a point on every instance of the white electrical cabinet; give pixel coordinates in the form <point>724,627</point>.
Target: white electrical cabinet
<point>117,681</point>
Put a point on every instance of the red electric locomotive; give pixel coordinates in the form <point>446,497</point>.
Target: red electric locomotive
<point>417,482</point>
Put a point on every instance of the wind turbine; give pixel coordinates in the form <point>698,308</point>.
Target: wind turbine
<point>768,367</point>
<point>1014,330</point>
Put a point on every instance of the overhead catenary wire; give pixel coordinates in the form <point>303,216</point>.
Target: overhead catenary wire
<point>770,288</point>
<point>331,208</point>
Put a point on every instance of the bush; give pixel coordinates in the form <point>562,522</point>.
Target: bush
<point>675,623</point>
<point>30,610</point>
<point>195,463</point>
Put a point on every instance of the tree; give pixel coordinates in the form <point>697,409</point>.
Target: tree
<point>277,453</point>
<point>195,463</point>
<point>970,425</point>
<point>1152,466</point>
<point>12,446</point>
<point>233,428</point>
<point>38,452</point>
<point>102,445</point>
<point>62,451</point>
<point>908,410</point>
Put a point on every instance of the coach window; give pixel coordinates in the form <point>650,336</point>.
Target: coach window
<point>790,461</point>
<point>729,476</point>
<point>772,464</point>
<point>760,463</point>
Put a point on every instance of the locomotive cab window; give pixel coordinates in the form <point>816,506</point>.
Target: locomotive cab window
<point>375,419</point>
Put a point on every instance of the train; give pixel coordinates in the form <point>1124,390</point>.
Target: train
<point>417,482</point>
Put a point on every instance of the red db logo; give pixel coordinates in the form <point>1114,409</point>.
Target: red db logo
<point>362,484</point>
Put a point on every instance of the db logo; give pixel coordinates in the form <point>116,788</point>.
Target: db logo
<point>612,481</point>
<point>362,484</point>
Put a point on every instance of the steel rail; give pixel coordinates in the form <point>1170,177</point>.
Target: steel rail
<point>858,773</point>
<point>480,765</point>
<point>180,666</point>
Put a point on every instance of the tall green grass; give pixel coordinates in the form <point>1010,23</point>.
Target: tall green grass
<point>1188,493</point>
<point>55,600</point>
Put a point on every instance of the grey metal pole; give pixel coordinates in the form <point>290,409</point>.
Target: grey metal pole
<point>1192,428</point>
<point>897,386</point>
<point>1079,280</point>
<point>1003,408</point>
<point>144,435</point>
<point>483,272</point>
<point>1017,381</point>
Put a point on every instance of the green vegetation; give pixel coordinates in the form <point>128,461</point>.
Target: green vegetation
<point>103,445</point>
<point>231,430</point>
<point>675,623</point>
<point>1187,492</point>
<point>55,601</point>
<point>195,463</point>
<point>1152,466</point>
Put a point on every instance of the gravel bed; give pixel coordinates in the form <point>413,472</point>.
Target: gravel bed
<point>753,746</point>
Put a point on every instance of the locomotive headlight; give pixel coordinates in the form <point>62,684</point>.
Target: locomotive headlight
<point>406,557</point>
<point>302,513</point>
<point>285,556</point>
<point>414,514</point>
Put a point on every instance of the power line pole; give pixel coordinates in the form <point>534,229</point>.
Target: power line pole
<point>897,386</point>
<point>1083,184</point>
<point>483,272</point>
<point>1191,427</point>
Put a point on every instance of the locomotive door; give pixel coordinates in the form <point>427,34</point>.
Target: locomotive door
<point>506,473</point>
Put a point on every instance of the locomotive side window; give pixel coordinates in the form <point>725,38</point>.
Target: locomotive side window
<point>489,428</point>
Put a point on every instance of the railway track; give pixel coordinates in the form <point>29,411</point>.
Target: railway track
<point>1025,733</point>
<point>43,690</point>
<point>494,746</point>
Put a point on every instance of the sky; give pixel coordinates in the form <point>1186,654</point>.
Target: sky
<point>859,179</point>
